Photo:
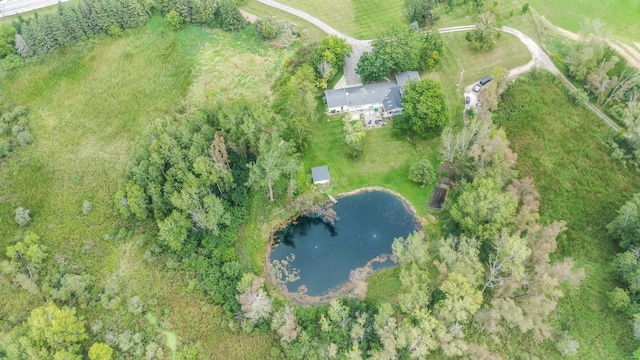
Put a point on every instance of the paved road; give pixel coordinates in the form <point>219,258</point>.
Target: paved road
<point>12,7</point>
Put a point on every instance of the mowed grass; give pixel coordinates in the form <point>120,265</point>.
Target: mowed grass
<point>621,16</point>
<point>385,162</point>
<point>457,55</point>
<point>89,105</point>
<point>308,31</point>
<point>362,19</point>
<point>561,146</point>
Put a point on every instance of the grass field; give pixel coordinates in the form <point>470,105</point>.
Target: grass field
<point>385,162</point>
<point>362,19</point>
<point>89,105</point>
<point>561,147</point>
<point>621,16</point>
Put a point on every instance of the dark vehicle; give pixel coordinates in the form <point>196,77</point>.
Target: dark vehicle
<point>467,100</point>
<point>486,80</point>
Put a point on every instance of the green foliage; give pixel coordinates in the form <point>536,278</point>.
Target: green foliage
<point>7,40</point>
<point>228,16</point>
<point>421,12</point>
<point>484,209</point>
<point>175,19</point>
<point>525,8</point>
<point>425,112</point>
<point>422,172</point>
<point>100,351</point>
<point>71,23</point>
<point>484,37</point>
<point>23,217</point>
<point>398,49</point>
<point>354,134</point>
<point>619,300</point>
<point>625,228</point>
<point>332,50</point>
<point>266,28</point>
<point>49,333</point>
<point>276,158</point>
<point>12,62</point>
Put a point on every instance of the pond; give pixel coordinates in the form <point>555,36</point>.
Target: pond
<point>311,258</point>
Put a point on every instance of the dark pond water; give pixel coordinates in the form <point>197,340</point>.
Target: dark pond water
<point>325,255</point>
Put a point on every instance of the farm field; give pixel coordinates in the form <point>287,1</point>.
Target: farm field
<point>562,148</point>
<point>89,105</point>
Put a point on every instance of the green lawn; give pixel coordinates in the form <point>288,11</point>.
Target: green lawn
<point>621,16</point>
<point>561,146</point>
<point>385,163</point>
<point>457,55</point>
<point>89,105</point>
<point>362,19</point>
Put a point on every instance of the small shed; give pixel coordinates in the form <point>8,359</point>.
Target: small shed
<point>320,174</point>
<point>438,197</point>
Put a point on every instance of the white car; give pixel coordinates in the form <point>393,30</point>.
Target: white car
<point>477,87</point>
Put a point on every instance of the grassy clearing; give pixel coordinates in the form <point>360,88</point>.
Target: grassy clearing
<point>385,163</point>
<point>457,55</point>
<point>228,66</point>
<point>89,105</point>
<point>621,16</point>
<point>308,30</point>
<point>561,147</point>
<point>362,19</point>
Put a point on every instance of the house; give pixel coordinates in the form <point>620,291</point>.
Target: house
<point>384,97</point>
<point>320,175</point>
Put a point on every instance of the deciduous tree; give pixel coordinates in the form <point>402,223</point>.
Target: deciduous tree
<point>425,112</point>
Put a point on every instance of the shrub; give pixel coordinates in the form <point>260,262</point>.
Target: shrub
<point>12,61</point>
<point>5,148</point>
<point>422,172</point>
<point>86,207</point>
<point>175,20</point>
<point>114,31</point>
<point>24,137</point>
<point>22,216</point>
<point>266,29</point>
<point>525,8</point>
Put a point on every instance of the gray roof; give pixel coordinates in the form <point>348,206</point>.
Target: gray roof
<point>403,78</point>
<point>320,173</point>
<point>359,95</point>
<point>392,101</point>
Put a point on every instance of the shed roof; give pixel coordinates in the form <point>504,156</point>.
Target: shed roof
<point>404,77</point>
<point>320,174</point>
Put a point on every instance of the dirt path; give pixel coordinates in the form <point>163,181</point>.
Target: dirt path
<point>628,52</point>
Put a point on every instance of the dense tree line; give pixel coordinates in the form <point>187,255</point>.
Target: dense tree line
<point>212,13</point>
<point>71,23</point>
<point>398,49</point>
<point>625,229</point>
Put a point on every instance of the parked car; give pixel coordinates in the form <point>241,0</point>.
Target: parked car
<point>485,80</point>
<point>477,87</point>
<point>467,100</point>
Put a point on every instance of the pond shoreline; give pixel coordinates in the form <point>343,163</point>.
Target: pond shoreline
<point>356,286</point>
